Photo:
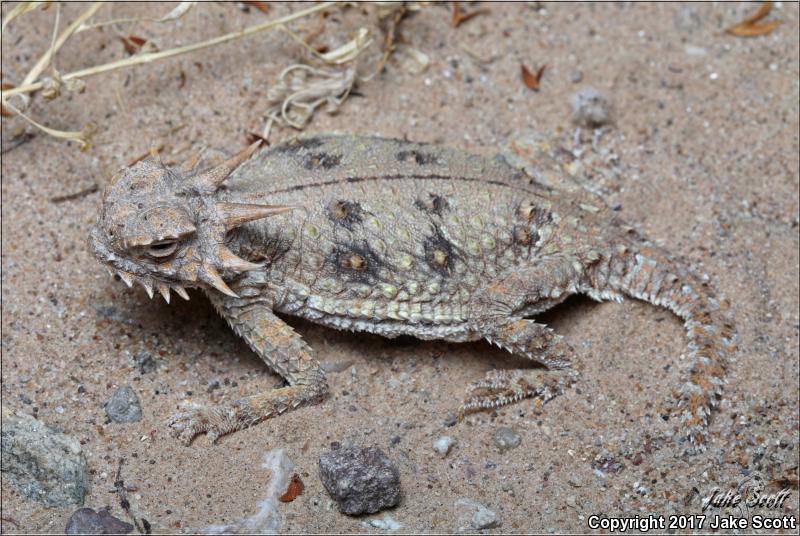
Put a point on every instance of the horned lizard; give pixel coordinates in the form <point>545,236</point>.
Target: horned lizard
<point>393,237</point>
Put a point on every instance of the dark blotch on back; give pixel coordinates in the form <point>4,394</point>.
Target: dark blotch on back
<point>422,159</point>
<point>313,161</point>
<point>345,213</point>
<point>432,203</point>
<point>366,271</point>
<point>295,146</point>
<point>435,245</point>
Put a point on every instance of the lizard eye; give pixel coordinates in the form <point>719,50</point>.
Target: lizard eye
<point>161,249</point>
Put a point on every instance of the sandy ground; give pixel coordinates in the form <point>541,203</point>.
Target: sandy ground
<point>706,129</point>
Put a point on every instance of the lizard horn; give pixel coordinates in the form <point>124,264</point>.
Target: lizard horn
<point>235,214</point>
<point>208,181</point>
<point>230,261</point>
<point>209,274</point>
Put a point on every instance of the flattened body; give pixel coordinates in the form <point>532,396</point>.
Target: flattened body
<point>389,231</point>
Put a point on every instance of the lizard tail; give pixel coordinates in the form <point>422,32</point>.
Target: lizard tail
<point>648,274</point>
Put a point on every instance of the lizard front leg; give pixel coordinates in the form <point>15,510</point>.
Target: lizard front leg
<point>283,350</point>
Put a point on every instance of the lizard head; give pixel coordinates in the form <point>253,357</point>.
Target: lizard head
<point>166,227</point>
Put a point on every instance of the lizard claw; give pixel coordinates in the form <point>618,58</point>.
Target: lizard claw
<point>502,387</point>
<point>195,420</point>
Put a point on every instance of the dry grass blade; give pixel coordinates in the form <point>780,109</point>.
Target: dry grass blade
<point>460,18</point>
<point>179,11</point>
<point>530,79</point>
<point>19,10</point>
<point>82,137</point>
<point>749,27</point>
<point>147,58</point>
<point>45,60</point>
<point>343,54</point>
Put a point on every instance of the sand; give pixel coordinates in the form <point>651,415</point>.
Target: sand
<point>705,126</point>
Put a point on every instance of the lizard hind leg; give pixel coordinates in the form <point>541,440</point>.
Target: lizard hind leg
<point>531,340</point>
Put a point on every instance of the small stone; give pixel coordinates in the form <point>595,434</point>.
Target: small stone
<point>361,480</point>
<point>123,406</point>
<point>473,515</point>
<point>87,521</point>
<point>506,438</point>
<point>145,363</point>
<point>575,77</point>
<point>44,464</point>
<point>590,108</point>
<point>387,523</point>
<point>450,421</point>
<point>574,482</point>
<point>443,445</point>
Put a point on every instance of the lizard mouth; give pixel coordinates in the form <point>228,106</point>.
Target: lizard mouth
<point>149,284</point>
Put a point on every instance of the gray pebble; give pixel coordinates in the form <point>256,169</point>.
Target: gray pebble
<point>472,515</point>
<point>361,480</point>
<point>590,108</point>
<point>506,438</point>
<point>123,406</point>
<point>44,464</point>
<point>87,521</point>
<point>575,77</point>
<point>145,362</point>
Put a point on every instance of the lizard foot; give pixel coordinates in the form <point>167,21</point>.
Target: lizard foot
<point>218,421</point>
<point>197,419</point>
<point>502,387</point>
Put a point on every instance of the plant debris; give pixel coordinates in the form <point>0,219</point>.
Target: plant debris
<point>460,18</point>
<point>263,7</point>
<point>301,89</point>
<point>294,490</point>
<point>532,79</point>
<point>77,195</point>
<point>750,27</point>
<point>132,44</point>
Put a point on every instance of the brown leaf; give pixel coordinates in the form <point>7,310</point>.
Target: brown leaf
<point>459,18</point>
<point>763,11</point>
<point>3,111</point>
<point>263,7</point>
<point>253,137</point>
<point>753,30</point>
<point>749,28</point>
<point>530,79</point>
<point>294,490</point>
<point>132,44</point>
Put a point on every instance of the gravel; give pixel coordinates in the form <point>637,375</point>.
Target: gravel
<point>44,464</point>
<point>473,515</point>
<point>361,480</point>
<point>123,406</point>
<point>87,521</point>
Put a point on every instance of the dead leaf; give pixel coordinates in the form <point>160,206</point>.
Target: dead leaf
<point>749,27</point>
<point>763,11</point>
<point>3,111</point>
<point>253,137</point>
<point>132,44</point>
<point>753,30</point>
<point>294,490</point>
<point>530,79</point>
<point>459,18</point>
<point>263,7</point>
